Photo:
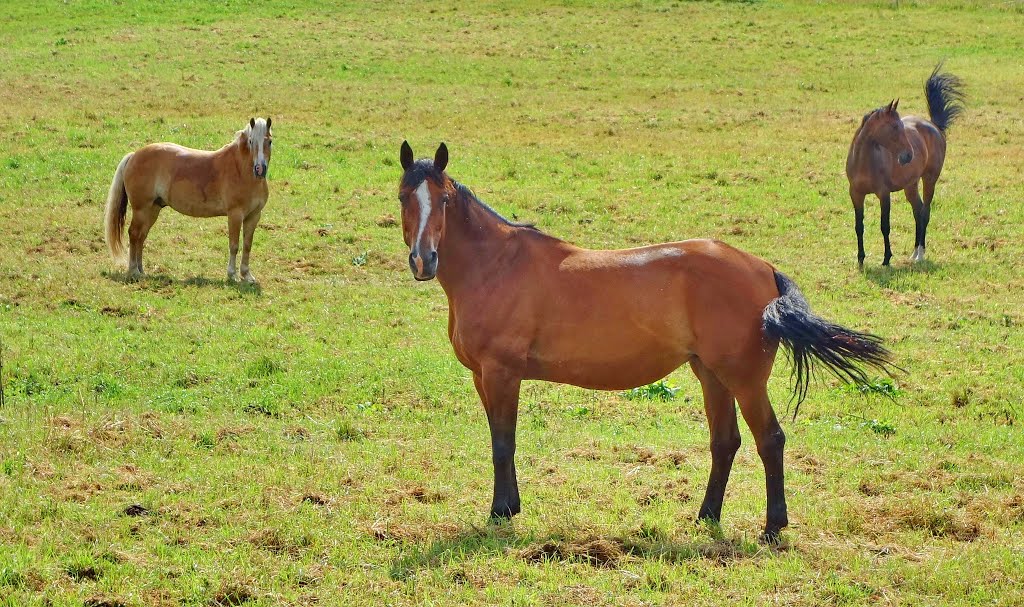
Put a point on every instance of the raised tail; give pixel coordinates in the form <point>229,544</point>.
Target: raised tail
<point>116,209</point>
<point>810,339</point>
<point>945,96</point>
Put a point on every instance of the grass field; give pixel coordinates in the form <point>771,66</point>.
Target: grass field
<point>183,441</point>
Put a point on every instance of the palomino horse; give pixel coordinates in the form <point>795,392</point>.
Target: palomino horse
<point>890,154</point>
<point>231,181</point>
<point>525,305</point>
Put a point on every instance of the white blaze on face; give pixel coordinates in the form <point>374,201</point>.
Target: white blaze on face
<point>423,196</point>
<point>257,134</point>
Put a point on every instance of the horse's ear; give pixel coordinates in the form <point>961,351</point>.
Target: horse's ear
<point>895,104</point>
<point>268,123</point>
<point>252,123</point>
<point>441,157</point>
<point>406,155</point>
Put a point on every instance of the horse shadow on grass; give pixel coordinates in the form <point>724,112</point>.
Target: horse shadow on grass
<point>156,282</point>
<point>583,546</point>
<point>896,276</point>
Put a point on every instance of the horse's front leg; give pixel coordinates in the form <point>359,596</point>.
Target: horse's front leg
<point>499,391</point>
<point>234,227</point>
<point>886,204</point>
<point>858,223</point>
<point>248,229</point>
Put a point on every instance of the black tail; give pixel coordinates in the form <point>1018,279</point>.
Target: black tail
<point>810,338</point>
<point>945,98</point>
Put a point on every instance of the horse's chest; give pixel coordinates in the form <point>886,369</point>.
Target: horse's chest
<point>465,341</point>
<point>257,203</point>
<point>476,337</point>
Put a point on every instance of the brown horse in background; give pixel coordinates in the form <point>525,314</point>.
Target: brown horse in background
<point>524,305</point>
<point>890,154</point>
<point>230,181</point>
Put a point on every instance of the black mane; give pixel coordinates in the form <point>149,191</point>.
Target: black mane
<point>464,190</point>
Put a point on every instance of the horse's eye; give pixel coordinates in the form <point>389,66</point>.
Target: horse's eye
<point>269,143</point>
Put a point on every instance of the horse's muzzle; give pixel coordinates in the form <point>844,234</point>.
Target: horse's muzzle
<point>423,269</point>
<point>905,157</point>
<point>259,170</point>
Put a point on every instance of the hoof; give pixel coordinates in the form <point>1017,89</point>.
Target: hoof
<point>133,276</point>
<point>503,513</point>
<point>771,537</point>
<point>705,515</point>
<point>918,255</point>
<point>249,279</point>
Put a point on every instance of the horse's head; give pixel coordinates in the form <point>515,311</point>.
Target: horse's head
<point>884,127</point>
<point>425,192</point>
<point>256,141</point>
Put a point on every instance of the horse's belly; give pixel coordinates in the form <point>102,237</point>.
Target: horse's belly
<point>608,358</point>
<point>610,372</point>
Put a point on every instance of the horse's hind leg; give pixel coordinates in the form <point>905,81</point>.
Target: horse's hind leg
<point>720,408</point>
<point>926,209</point>
<point>142,220</point>
<point>757,412</point>
<point>920,220</point>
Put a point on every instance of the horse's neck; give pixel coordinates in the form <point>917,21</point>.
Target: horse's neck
<point>236,154</point>
<point>474,239</point>
<point>863,146</point>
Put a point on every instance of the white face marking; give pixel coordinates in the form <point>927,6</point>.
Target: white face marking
<point>257,133</point>
<point>423,195</point>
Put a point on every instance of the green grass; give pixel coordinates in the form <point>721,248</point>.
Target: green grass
<point>316,439</point>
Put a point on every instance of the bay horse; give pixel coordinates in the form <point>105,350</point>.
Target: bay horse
<point>230,181</point>
<point>889,154</point>
<point>524,305</point>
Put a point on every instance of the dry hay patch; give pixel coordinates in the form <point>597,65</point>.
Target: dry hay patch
<point>316,499</point>
<point>671,490</point>
<point>417,493</point>
<point>232,595</point>
<point>935,520</point>
<point>131,478</point>
<point>1015,506</point>
<point>638,454</point>
<point>104,601</point>
<point>233,433</point>
<point>410,532</point>
<point>594,551</point>
<point>275,541</point>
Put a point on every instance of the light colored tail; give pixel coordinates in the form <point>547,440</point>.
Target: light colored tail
<point>117,208</point>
